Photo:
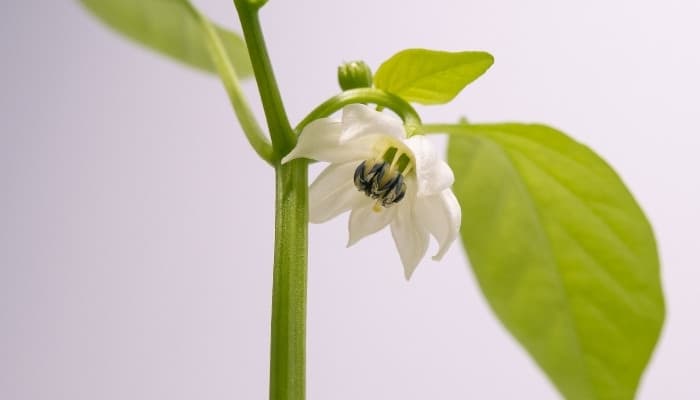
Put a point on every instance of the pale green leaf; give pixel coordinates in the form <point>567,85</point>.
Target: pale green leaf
<point>430,77</point>
<point>170,27</point>
<point>562,252</point>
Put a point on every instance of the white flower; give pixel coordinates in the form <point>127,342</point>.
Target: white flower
<point>384,178</point>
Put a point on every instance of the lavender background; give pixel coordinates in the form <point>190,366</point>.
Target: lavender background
<point>136,225</point>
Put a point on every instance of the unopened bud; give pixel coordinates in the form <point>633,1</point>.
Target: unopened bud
<point>354,75</point>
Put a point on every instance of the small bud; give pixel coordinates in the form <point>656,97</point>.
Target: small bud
<point>354,75</point>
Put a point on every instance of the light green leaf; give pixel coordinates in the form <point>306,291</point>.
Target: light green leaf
<point>430,77</point>
<point>562,252</point>
<point>170,27</point>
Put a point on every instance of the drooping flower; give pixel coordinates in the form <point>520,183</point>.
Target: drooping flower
<point>383,178</point>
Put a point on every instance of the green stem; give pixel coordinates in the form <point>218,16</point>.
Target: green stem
<point>288,347</point>
<point>442,128</point>
<point>283,138</point>
<point>288,331</point>
<point>245,116</point>
<point>366,95</point>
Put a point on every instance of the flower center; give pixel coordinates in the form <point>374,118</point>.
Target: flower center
<point>383,179</point>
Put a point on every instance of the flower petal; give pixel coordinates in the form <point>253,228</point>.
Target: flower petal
<point>360,120</point>
<point>434,175</point>
<point>441,215</point>
<point>365,221</point>
<point>333,192</point>
<point>321,140</point>
<point>410,237</point>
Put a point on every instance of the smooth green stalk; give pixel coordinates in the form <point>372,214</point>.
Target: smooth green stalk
<point>288,333</point>
<point>442,128</point>
<point>283,138</point>
<point>249,124</point>
<point>288,347</point>
<point>366,95</point>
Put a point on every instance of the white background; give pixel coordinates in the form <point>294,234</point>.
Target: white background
<point>136,224</point>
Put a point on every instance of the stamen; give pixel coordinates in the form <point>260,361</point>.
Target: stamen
<point>359,175</point>
<point>379,181</point>
<point>408,169</point>
<point>395,159</point>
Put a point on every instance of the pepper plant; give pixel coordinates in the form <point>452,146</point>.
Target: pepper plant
<point>560,248</point>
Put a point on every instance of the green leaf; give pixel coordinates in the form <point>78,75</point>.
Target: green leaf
<point>562,252</point>
<point>430,77</point>
<point>170,27</point>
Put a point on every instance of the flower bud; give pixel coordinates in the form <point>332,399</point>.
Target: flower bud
<point>354,75</point>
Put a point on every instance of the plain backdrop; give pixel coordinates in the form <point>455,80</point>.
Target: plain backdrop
<point>136,224</point>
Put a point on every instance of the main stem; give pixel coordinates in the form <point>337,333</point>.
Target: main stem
<point>288,347</point>
<point>288,335</point>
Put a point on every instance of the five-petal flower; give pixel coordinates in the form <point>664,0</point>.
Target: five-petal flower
<point>384,178</point>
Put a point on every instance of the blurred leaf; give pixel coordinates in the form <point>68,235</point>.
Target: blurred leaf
<point>428,76</point>
<point>562,252</point>
<point>170,27</point>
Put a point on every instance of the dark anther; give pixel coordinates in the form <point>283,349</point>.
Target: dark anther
<point>364,179</point>
<point>379,182</point>
<point>360,181</point>
<point>397,192</point>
